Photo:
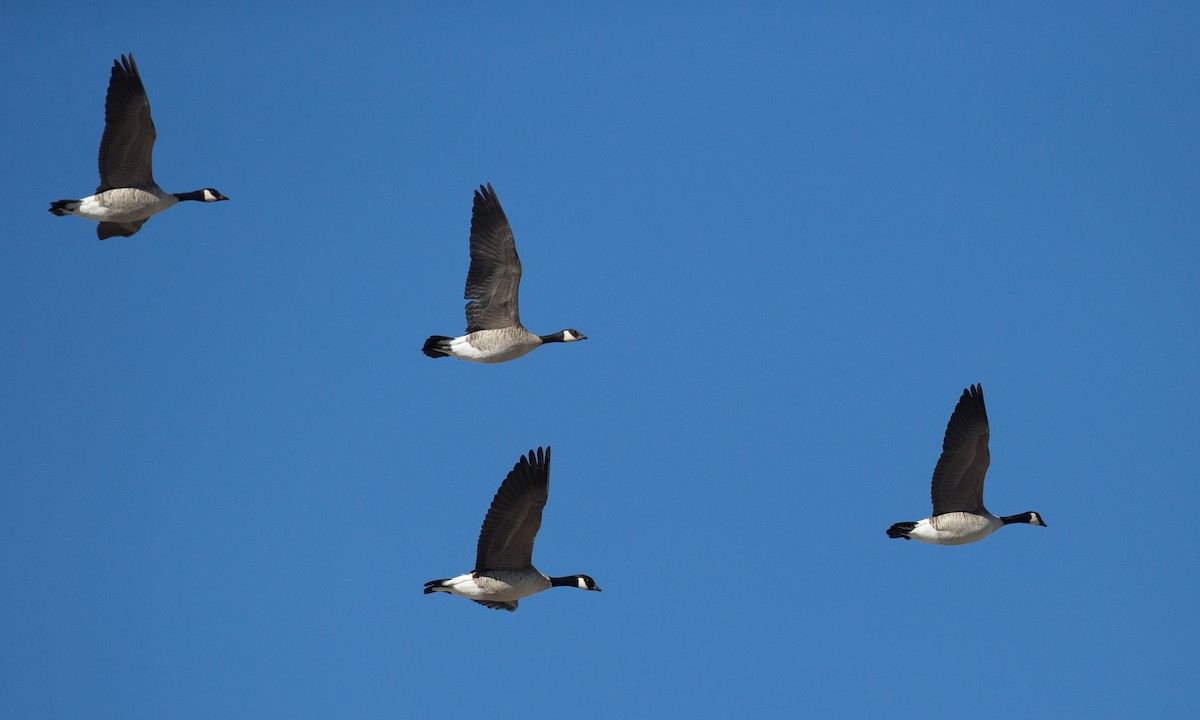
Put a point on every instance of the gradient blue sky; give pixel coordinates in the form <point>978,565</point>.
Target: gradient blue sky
<point>793,232</point>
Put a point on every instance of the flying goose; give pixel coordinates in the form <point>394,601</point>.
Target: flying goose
<point>494,330</point>
<point>504,571</point>
<point>959,516</point>
<point>127,195</point>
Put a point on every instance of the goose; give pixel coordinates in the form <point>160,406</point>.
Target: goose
<point>504,571</point>
<point>127,195</point>
<point>959,516</point>
<point>494,330</point>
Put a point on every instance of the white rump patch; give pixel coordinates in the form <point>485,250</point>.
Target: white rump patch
<point>90,208</point>
<point>460,347</point>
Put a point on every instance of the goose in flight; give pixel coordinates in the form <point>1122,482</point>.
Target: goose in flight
<point>494,330</point>
<point>127,195</point>
<point>504,571</point>
<point>959,516</point>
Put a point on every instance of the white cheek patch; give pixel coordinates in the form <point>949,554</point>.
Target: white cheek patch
<point>582,583</point>
<point>208,196</point>
<point>569,336</point>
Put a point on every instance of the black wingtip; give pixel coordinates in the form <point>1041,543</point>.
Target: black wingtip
<point>487,201</point>
<point>125,70</point>
<point>534,464</point>
<point>973,397</point>
<point>973,393</point>
<point>539,458</point>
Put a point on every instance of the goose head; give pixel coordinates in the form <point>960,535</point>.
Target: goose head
<point>1030,517</point>
<point>583,582</point>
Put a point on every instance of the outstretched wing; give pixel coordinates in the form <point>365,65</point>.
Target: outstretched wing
<point>958,477</point>
<point>512,522</point>
<point>495,274</point>
<point>128,140</point>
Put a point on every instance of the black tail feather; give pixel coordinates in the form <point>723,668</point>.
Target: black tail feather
<point>435,346</point>
<point>64,207</point>
<point>429,586</point>
<point>901,530</point>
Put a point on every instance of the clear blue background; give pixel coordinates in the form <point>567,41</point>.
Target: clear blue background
<point>793,232</point>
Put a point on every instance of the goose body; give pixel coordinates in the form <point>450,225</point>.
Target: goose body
<point>959,516</point>
<point>504,571</point>
<point>494,330</point>
<point>957,528</point>
<point>127,195</point>
<point>494,346</point>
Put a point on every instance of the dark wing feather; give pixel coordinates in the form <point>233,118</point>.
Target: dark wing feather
<point>128,140</point>
<point>958,477</point>
<point>495,605</point>
<point>495,274</point>
<point>105,230</point>
<point>512,522</point>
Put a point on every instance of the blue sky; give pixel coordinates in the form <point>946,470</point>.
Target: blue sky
<point>793,234</point>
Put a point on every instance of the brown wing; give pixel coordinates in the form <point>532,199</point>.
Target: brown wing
<point>958,477</point>
<point>128,140</point>
<point>512,522</point>
<point>495,275</point>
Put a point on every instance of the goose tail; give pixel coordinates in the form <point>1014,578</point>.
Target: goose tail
<point>434,586</point>
<point>901,530</point>
<point>437,346</point>
<point>64,207</point>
